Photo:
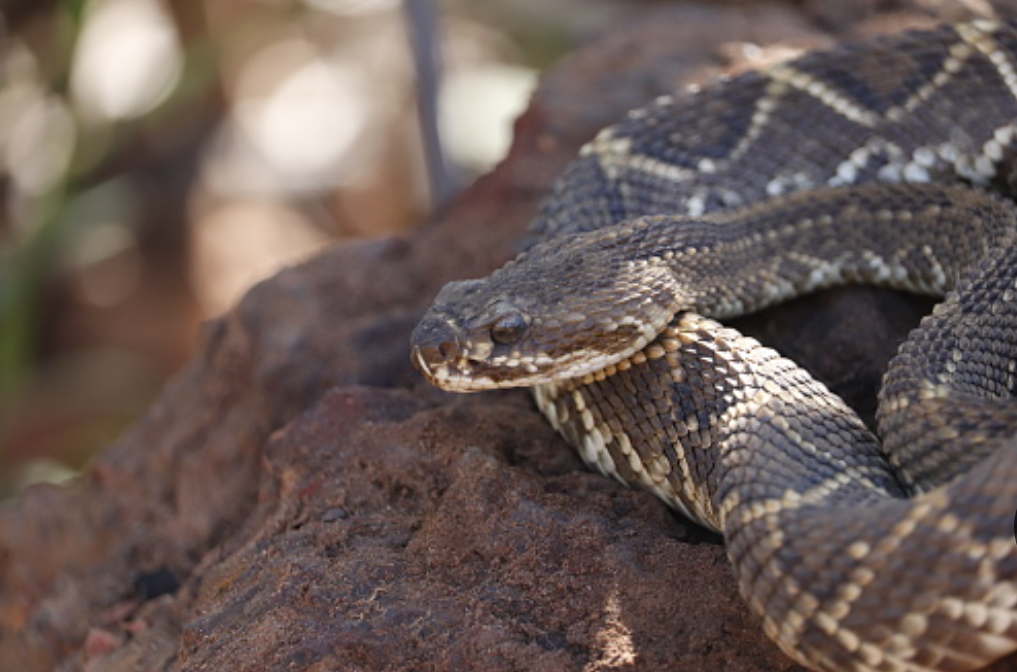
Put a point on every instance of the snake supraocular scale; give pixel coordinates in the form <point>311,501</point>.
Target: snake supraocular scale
<point>888,162</point>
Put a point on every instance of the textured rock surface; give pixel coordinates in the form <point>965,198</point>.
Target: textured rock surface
<point>299,500</point>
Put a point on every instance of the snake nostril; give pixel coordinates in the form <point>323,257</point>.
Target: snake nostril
<point>437,354</point>
<point>448,350</point>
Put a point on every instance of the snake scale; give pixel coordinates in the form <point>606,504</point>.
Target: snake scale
<point>887,162</point>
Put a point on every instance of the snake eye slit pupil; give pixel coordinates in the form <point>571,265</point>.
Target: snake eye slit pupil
<point>509,329</point>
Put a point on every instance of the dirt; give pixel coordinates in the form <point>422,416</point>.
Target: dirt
<point>298,499</point>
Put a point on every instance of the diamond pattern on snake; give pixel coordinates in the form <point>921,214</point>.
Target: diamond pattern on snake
<point>888,162</point>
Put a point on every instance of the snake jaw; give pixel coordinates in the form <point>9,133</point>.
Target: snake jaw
<point>455,377</point>
<point>458,359</point>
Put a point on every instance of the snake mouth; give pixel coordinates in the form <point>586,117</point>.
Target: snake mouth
<point>420,364</point>
<point>449,373</point>
<point>453,367</point>
<point>457,371</point>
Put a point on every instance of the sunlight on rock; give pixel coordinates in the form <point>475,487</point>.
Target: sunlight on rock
<point>478,106</point>
<point>236,245</point>
<point>614,641</point>
<point>127,61</point>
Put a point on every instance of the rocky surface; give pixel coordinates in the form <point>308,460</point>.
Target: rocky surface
<point>299,500</point>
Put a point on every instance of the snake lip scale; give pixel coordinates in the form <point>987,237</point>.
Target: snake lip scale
<point>888,162</point>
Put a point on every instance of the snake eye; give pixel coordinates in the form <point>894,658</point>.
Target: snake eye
<point>509,328</point>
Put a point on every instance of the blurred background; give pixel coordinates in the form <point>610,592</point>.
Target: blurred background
<point>157,157</point>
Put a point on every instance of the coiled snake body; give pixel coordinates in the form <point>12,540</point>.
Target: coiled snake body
<point>888,162</point>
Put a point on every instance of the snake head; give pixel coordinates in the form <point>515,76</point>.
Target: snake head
<point>556,312</point>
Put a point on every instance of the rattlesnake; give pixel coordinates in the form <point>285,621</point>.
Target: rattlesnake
<point>886,162</point>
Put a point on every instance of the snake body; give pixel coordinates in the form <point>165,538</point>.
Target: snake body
<point>886,162</point>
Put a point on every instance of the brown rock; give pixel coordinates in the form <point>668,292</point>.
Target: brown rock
<point>391,543</point>
<point>300,500</point>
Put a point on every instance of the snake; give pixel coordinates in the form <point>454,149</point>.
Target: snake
<point>887,162</point>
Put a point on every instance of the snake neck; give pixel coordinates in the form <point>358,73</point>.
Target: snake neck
<point>702,395</point>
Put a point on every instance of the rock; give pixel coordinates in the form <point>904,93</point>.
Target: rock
<point>486,548</point>
<point>300,500</point>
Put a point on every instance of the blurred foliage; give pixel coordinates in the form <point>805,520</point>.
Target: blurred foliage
<point>156,158</point>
